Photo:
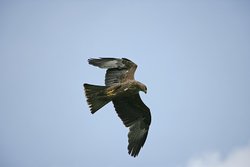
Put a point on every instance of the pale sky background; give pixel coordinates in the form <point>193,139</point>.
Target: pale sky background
<point>193,56</point>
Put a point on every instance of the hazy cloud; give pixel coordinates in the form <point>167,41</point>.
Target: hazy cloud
<point>239,157</point>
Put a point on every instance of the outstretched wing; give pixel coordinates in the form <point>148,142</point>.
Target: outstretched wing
<point>135,115</point>
<point>118,70</point>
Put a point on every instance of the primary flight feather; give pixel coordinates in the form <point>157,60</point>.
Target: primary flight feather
<point>123,90</point>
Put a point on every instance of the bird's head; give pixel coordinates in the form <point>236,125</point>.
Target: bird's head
<point>143,87</point>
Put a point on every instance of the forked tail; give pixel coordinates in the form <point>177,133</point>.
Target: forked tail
<point>96,96</point>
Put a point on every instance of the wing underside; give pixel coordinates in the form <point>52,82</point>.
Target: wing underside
<point>135,115</point>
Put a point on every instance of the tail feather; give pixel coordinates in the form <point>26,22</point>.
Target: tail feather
<point>96,96</point>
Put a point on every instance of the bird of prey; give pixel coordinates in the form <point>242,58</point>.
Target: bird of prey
<point>123,90</point>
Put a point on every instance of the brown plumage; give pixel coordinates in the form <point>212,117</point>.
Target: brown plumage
<point>123,90</point>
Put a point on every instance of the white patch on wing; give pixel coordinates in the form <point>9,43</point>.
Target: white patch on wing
<point>114,64</point>
<point>110,63</point>
<point>125,89</point>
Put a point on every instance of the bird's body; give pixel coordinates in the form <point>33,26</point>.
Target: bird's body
<point>126,89</point>
<point>121,88</point>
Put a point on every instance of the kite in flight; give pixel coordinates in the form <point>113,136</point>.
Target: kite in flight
<point>123,90</point>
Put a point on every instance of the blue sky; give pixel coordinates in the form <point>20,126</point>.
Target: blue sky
<point>193,56</point>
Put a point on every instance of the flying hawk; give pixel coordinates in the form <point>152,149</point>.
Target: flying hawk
<point>123,90</point>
